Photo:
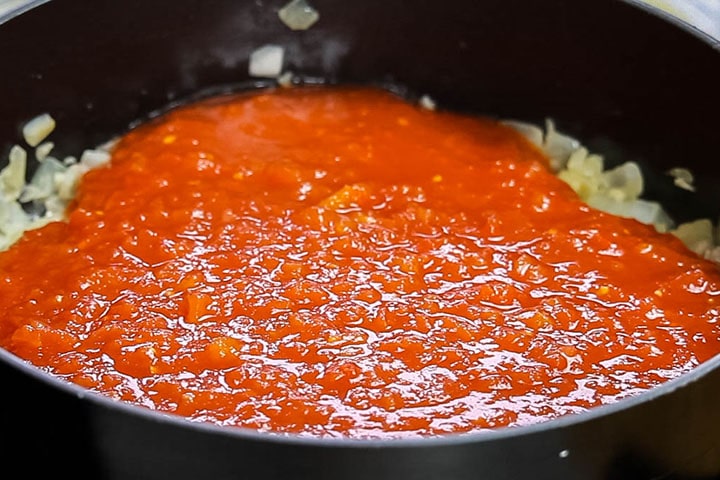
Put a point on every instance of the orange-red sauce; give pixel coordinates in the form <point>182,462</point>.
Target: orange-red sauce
<point>337,262</point>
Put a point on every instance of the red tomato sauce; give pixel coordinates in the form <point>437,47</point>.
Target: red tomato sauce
<point>338,262</point>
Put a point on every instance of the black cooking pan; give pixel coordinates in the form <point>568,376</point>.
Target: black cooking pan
<point>630,82</point>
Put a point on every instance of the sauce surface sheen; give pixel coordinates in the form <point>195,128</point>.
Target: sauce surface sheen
<point>338,262</point>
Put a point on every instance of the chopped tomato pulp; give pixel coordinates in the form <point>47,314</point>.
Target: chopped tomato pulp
<point>338,262</point>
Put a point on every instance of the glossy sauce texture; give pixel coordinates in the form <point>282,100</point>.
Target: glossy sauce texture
<point>337,262</point>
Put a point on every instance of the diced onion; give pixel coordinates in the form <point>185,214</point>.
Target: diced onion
<point>683,178</point>
<point>12,177</point>
<point>298,15</point>
<point>583,172</point>
<point>697,235</point>
<point>66,182</point>
<point>43,150</point>
<point>286,80</point>
<point>54,208</point>
<point>625,180</point>
<point>558,146</point>
<point>650,213</point>
<point>531,132</point>
<point>94,158</point>
<point>267,61</point>
<point>42,184</point>
<point>37,129</point>
<point>427,102</point>
<point>644,211</point>
<point>13,222</point>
